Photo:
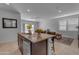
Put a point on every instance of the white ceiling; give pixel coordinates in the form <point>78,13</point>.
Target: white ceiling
<point>4,6</point>
<point>46,10</point>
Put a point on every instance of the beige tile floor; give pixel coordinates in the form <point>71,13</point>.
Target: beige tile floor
<point>60,49</point>
<point>10,48</point>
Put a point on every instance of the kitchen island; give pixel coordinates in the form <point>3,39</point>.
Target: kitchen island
<point>34,45</point>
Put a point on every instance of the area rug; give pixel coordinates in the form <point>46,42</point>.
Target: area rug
<point>65,40</point>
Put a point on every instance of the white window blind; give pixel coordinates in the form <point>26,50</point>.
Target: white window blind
<point>68,25</point>
<point>72,24</point>
<point>62,25</point>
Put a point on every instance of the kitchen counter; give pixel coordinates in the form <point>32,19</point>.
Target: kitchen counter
<point>36,45</point>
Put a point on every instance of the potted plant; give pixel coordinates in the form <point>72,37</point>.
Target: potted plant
<point>39,31</point>
<point>29,26</point>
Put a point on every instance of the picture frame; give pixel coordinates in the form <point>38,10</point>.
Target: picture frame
<point>9,23</point>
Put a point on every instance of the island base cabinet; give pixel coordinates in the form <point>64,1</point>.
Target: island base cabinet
<point>31,46</point>
<point>39,48</point>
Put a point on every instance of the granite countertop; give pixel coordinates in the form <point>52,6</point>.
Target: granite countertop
<point>34,37</point>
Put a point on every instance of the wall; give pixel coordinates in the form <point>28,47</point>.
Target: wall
<point>48,24</point>
<point>36,24</point>
<point>9,34</point>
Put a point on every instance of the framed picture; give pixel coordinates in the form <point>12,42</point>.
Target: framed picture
<point>9,23</point>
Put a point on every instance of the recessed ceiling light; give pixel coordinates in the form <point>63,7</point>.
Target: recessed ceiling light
<point>59,11</point>
<point>28,10</point>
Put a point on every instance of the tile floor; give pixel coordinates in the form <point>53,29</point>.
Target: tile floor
<point>62,49</point>
<point>9,49</point>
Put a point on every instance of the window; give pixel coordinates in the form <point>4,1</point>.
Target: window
<point>62,25</point>
<point>26,30</point>
<point>72,24</point>
<point>68,25</point>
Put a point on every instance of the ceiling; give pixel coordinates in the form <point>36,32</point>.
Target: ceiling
<point>46,10</point>
<point>4,6</point>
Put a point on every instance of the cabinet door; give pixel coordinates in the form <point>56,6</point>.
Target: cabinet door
<point>39,48</point>
<point>26,47</point>
<point>20,43</point>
